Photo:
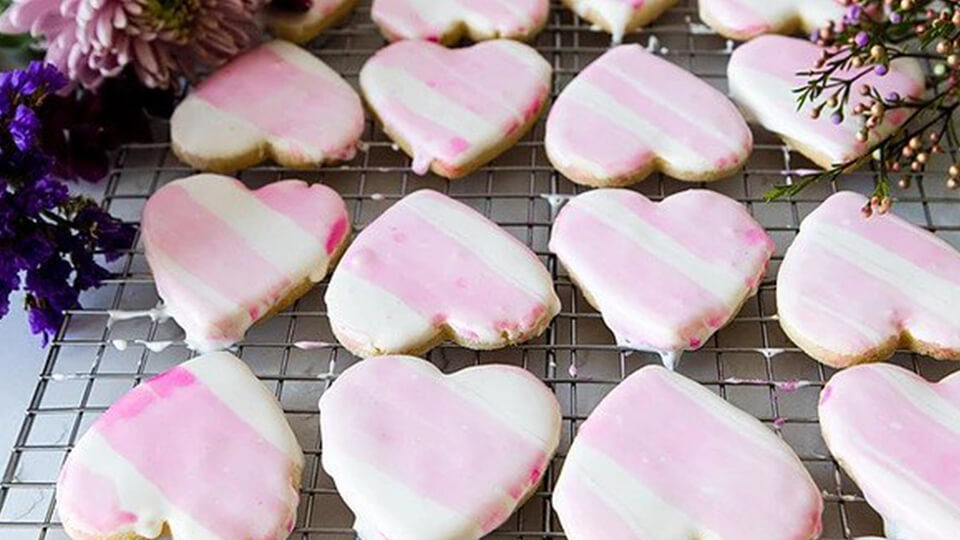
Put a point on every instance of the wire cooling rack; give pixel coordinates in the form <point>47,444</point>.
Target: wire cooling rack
<point>750,363</point>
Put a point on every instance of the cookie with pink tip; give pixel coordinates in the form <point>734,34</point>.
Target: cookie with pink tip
<point>447,21</point>
<point>663,457</point>
<point>631,113</point>
<point>454,110</point>
<point>763,85</point>
<point>419,455</point>
<point>664,276</point>
<point>431,268</point>
<point>224,257</point>
<point>276,102</point>
<point>201,451</point>
<point>747,19</point>
<point>301,27</point>
<point>897,437</point>
<point>852,289</point>
<point>618,17</point>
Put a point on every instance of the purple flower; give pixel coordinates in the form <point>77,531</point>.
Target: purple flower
<point>854,13</point>
<point>836,118</point>
<point>862,39</point>
<point>893,97</point>
<point>881,70</point>
<point>23,128</point>
<point>896,17</point>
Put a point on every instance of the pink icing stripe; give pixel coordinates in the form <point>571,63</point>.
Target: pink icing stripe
<point>588,513</point>
<point>738,15</point>
<point>577,128</point>
<point>876,415</point>
<point>211,257</point>
<point>323,110</point>
<point>621,262</point>
<point>776,501</point>
<point>316,209</point>
<point>463,291</point>
<point>430,136</point>
<point>202,467</point>
<point>462,451</point>
<point>403,20</point>
<point>94,499</point>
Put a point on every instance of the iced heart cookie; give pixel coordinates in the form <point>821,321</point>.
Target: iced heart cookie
<point>665,276</point>
<point>664,458</point>
<point>418,455</point>
<point>201,451</point>
<point>277,101</point>
<point>446,21</point>
<point>224,257</point>
<point>897,437</point>
<point>747,19</point>
<point>852,289</point>
<point>302,27</point>
<point>453,110</point>
<point>763,85</point>
<point>619,16</point>
<point>631,113</point>
<point>431,268</point>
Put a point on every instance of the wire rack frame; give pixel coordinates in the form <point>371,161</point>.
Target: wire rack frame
<point>750,363</point>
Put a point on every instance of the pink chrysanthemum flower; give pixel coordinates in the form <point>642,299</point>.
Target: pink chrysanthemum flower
<point>161,39</point>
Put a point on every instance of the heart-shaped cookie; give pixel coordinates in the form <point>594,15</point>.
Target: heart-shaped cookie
<point>898,437</point>
<point>851,288</point>
<point>431,268</point>
<point>619,16</point>
<point>422,456</point>
<point>277,101</point>
<point>446,21</point>
<point>747,19</point>
<point>454,110</point>
<point>201,451</point>
<point>764,84</point>
<point>302,27</point>
<point>223,256</point>
<point>631,113</point>
<point>664,458</point>
<point>665,276</point>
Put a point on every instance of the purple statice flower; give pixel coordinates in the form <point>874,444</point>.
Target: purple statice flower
<point>881,70</point>
<point>853,14</point>
<point>862,39</point>
<point>48,239</point>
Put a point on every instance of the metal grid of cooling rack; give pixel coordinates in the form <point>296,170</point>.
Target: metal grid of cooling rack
<point>750,363</point>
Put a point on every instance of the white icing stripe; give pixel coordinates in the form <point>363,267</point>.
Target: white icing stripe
<point>721,282</point>
<point>135,491</point>
<point>853,323</point>
<point>391,326</point>
<point>426,102</point>
<point>604,105</point>
<point>934,293</point>
<point>925,400</point>
<point>234,384</point>
<point>261,227</point>
<point>634,502</point>
<point>308,63</point>
<point>508,258</point>
<point>410,515</point>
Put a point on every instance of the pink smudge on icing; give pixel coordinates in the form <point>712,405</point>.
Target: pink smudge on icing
<point>316,209</point>
<point>742,16</point>
<point>337,233</point>
<point>401,19</point>
<point>94,500</point>
<point>317,112</point>
<point>200,466</point>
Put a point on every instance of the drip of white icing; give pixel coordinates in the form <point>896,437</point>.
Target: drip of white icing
<point>556,200</point>
<point>363,146</point>
<point>395,147</point>
<point>152,346</point>
<point>701,29</point>
<point>120,344</point>
<point>653,44</point>
<point>421,162</point>
<point>313,345</point>
<point>158,314</point>
<point>573,371</point>
<point>377,196</point>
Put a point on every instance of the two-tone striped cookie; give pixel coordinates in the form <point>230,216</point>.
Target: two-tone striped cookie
<point>446,21</point>
<point>201,451</point>
<point>765,72</point>
<point>898,437</point>
<point>852,289</point>
<point>664,458</point>
<point>747,19</point>
<point>453,110</point>
<point>302,27</point>
<point>276,102</point>
<point>431,268</point>
<point>619,16</point>
<point>665,276</point>
<point>224,257</point>
<point>631,113</point>
<point>418,455</point>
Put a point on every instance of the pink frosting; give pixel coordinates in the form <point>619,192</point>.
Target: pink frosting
<point>494,83</point>
<point>284,99</point>
<point>431,21</point>
<point>665,297</point>
<point>747,20</point>
<point>677,105</point>
<point>196,451</point>
<point>730,477</point>
<point>852,294</point>
<point>881,422</point>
